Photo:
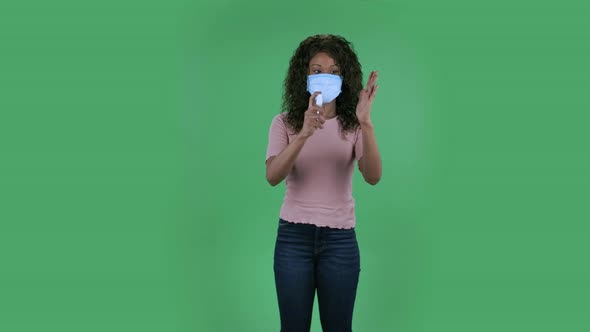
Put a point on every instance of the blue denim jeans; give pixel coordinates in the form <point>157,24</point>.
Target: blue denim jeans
<point>308,257</point>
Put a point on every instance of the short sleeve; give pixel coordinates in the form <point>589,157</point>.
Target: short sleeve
<point>277,136</point>
<point>358,144</point>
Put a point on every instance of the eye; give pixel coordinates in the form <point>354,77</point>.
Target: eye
<point>336,72</point>
<point>316,71</point>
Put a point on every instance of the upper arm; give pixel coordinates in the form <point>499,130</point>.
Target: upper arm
<point>277,138</point>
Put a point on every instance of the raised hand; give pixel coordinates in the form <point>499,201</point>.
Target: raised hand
<point>366,98</point>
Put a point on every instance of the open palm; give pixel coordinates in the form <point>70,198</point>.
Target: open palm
<point>366,98</point>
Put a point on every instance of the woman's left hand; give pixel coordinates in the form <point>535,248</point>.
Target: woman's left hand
<point>366,97</point>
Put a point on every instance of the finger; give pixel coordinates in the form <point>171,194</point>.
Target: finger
<point>312,119</point>
<point>364,93</point>
<point>375,76</point>
<point>311,112</point>
<point>318,117</point>
<point>374,92</point>
<point>372,82</point>
<point>319,124</point>
<point>318,110</point>
<point>312,99</point>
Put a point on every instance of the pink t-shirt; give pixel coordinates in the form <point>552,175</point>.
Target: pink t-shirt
<point>319,186</point>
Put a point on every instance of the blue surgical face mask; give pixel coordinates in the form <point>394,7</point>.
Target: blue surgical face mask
<point>330,85</point>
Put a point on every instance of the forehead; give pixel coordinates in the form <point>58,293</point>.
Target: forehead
<point>322,59</point>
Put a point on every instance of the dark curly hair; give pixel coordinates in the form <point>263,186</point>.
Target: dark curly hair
<point>295,94</point>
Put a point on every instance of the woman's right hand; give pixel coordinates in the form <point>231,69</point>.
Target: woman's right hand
<point>313,117</point>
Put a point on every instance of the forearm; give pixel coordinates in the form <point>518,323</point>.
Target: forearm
<point>281,165</point>
<point>371,157</point>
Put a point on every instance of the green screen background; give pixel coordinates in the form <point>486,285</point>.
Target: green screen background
<point>132,186</point>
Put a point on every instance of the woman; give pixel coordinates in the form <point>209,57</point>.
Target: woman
<point>313,144</point>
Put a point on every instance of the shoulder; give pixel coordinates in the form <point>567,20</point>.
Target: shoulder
<point>359,130</point>
<point>278,124</point>
<point>356,133</point>
<point>279,117</point>
<point>279,121</point>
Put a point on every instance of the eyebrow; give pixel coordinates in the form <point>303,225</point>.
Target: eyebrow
<point>315,64</point>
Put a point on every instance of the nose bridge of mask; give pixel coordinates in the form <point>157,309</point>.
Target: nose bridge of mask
<point>324,79</point>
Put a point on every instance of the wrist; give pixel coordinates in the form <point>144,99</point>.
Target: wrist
<point>368,124</point>
<point>302,138</point>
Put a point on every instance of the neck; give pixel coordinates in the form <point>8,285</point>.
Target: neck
<point>330,109</point>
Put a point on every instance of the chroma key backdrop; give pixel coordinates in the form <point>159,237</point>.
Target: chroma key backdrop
<point>133,195</point>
